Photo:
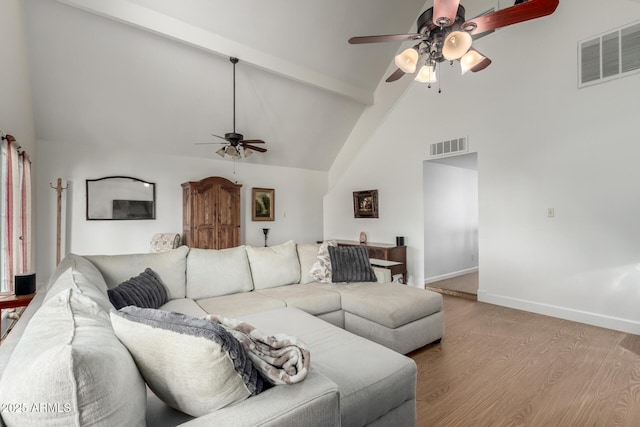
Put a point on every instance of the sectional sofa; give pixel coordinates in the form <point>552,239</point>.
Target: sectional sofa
<point>63,364</point>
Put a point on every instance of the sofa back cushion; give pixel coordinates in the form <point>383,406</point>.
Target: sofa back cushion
<point>217,272</point>
<point>274,265</point>
<point>75,272</point>
<point>307,254</point>
<point>170,266</point>
<point>70,369</point>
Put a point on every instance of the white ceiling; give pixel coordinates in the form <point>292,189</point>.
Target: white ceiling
<point>155,75</point>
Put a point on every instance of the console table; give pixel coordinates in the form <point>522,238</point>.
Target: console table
<point>14,301</point>
<point>384,255</point>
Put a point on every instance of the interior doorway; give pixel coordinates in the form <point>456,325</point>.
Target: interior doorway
<point>451,255</point>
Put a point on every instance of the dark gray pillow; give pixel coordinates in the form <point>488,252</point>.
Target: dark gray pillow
<point>145,290</point>
<point>350,264</point>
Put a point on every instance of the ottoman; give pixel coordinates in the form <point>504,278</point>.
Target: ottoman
<point>402,321</point>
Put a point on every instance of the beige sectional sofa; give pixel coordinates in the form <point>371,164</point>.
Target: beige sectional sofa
<point>356,333</point>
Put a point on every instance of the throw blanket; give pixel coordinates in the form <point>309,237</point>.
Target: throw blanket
<point>280,358</point>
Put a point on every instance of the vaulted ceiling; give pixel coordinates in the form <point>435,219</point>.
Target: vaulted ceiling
<point>154,75</point>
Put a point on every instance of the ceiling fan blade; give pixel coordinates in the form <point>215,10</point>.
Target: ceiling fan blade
<point>521,12</point>
<point>395,76</point>
<point>387,38</point>
<point>444,12</point>
<point>209,143</point>
<point>252,141</point>
<point>254,148</point>
<point>218,136</point>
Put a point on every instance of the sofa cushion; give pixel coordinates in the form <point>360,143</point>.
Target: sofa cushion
<point>237,305</point>
<point>144,290</point>
<point>69,357</point>
<point>170,266</point>
<point>312,300</point>
<point>184,306</point>
<point>75,272</point>
<point>350,264</point>
<point>193,365</point>
<point>373,380</point>
<point>307,255</point>
<point>321,268</point>
<point>402,304</point>
<point>274,265</point>
<point>212,273</point>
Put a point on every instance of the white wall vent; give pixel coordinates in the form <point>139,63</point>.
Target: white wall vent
<point>609,56</point>
<point>448,148</point>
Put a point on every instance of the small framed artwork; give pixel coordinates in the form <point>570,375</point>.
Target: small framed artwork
<point>365,204</point>
<point>263,201</point>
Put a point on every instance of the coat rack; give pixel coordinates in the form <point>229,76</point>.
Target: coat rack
<point>59,189</point>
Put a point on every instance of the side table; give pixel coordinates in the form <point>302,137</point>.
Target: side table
<point>14,301</point>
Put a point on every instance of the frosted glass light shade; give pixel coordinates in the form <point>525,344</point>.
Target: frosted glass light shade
<point>233,152</point>
<point>221,152</point>
<point>456,44</point>
<point>470,60</point>
<point>427,74</point>
<point>407,60</point>
<point>246,152</point>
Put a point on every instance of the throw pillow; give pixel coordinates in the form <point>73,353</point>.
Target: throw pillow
<point>307,254</point>
<point>350,264</point>
<point>321,269</point>
<point>69,369</point>
<point>274,265</point>
<point>193,365</point>
<point>145,290</point>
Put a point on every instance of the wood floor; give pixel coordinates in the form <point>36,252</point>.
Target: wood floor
<point>502,367</point>
<point>465,286</point>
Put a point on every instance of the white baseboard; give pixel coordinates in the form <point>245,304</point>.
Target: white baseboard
<point>450,275</point>
<point>595,319</point>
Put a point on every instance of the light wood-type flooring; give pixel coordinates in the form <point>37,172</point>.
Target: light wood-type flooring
<point>503,367</point>
<point>465,286</point>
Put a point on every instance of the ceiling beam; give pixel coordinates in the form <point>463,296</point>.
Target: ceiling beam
<point>175,29</point>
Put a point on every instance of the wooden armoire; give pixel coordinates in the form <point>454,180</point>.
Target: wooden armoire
<point>211,213</point>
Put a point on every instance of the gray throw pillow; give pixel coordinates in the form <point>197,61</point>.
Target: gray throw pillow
<point>350,264</point>
<point>145,290</point>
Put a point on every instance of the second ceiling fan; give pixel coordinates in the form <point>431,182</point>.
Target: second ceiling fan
<point>443,34</point>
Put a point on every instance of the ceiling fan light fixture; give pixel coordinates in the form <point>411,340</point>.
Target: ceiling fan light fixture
<point>427,74</point>
<point>221,152</point>
<point>470,60</point>
<point>246,152</point>
<point>456,44</point>
<point>407,60</point>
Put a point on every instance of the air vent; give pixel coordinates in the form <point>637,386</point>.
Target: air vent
<point>609,56</point>
<point>447,148</point>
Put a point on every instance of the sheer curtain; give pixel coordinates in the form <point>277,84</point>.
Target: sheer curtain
<point>15,213</point>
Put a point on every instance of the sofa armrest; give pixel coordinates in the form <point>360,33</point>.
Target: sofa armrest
<point>383,274</point>
<point>315,400</point>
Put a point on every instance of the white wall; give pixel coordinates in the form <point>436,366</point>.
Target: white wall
<point>450,216</point>
<point>298,199</point>
<point>16,112</point>
<point>541,143</point>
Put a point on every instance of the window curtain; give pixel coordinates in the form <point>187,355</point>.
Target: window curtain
<point>15,213</point>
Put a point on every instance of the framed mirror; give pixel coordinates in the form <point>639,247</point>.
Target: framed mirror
<point>120,198</point>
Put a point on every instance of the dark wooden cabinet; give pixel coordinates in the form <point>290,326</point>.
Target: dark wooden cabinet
<point>211,213</point>
<point>386,252</point>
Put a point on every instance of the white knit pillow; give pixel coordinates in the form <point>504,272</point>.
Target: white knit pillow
<point>321,269</point>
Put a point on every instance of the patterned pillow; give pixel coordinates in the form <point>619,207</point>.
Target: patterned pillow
<point>193,365</point>
<point>321,269</point>
<point>145,290</point>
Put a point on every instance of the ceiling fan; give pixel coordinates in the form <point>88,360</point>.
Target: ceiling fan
<point>235,145</point>
<point>444,35</point>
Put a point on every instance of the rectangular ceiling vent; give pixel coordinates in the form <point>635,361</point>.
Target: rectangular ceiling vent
<point>609,56</point>
<point>448,148</point>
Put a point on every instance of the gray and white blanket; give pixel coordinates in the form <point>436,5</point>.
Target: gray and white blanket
<point>280,358</point>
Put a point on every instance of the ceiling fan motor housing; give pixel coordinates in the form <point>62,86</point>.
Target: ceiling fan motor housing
<point>233,137</point>
<point>435,35</point>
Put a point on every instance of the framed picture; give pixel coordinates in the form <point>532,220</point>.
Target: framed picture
<point>263,201</point>
<point>365,204</point>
